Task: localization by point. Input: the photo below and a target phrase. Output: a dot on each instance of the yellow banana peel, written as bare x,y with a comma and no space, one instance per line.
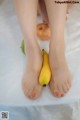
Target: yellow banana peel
45,74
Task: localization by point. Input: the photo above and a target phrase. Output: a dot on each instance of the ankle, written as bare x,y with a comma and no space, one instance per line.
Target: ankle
57,56
57,49
35,65
34,58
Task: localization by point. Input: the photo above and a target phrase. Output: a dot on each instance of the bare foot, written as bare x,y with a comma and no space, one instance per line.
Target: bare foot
31,87
61,78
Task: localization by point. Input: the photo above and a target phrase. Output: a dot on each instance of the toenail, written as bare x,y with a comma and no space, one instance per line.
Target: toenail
59,94
33,95
56,93
62,95
29,96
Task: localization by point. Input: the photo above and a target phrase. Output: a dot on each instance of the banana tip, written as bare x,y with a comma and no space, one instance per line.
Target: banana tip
42,49
44,85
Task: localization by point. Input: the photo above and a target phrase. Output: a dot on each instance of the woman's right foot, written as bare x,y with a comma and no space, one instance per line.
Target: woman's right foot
31,87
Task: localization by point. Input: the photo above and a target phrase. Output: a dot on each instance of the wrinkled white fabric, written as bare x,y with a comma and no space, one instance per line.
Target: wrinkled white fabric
12,63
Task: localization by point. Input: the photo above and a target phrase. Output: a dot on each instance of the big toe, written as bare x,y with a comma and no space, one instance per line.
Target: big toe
56,90
35,92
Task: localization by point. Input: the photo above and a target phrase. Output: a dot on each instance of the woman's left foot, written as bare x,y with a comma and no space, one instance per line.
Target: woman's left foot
61,78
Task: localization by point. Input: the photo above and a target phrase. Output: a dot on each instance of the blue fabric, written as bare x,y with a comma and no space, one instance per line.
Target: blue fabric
17,113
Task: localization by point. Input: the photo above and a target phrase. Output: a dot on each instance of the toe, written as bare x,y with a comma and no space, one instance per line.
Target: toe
31,95
65,88
54,89
61,91
24,87
35,93
68,86
69,82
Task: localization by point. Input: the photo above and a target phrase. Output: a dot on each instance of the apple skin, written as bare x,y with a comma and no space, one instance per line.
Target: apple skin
43,31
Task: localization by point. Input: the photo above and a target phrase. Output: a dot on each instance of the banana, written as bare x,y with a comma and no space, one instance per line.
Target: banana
45,74
22,47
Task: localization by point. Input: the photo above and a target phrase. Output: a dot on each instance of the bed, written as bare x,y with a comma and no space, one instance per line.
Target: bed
12,63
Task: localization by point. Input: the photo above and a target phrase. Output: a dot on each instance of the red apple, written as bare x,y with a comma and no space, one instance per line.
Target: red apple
43,31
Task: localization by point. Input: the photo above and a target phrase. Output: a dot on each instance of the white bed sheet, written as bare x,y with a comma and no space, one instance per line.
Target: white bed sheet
12,63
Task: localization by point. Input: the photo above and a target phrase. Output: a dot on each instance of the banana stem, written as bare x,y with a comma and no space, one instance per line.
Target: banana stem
45,57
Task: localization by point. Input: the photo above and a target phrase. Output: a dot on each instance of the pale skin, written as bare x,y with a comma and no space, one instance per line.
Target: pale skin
61,79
